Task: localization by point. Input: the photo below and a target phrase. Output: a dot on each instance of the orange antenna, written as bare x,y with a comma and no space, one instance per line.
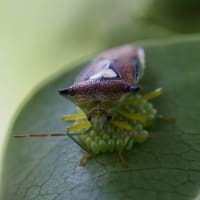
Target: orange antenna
39,135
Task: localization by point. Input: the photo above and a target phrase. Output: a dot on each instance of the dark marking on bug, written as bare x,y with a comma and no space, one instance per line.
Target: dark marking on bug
134,88
67,91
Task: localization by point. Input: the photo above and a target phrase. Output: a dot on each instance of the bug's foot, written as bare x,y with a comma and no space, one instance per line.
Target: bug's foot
84,160
123,159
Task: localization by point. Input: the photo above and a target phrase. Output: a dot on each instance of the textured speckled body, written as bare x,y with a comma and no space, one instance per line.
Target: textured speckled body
104,81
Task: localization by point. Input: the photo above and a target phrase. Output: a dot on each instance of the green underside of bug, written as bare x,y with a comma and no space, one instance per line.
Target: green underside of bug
129,125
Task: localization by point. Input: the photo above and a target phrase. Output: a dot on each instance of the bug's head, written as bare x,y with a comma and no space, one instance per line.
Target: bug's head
98,118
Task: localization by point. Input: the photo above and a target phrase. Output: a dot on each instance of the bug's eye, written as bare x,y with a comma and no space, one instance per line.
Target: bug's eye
109,117
89,118
138,69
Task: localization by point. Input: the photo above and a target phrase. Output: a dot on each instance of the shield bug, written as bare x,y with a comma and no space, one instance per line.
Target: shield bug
111,116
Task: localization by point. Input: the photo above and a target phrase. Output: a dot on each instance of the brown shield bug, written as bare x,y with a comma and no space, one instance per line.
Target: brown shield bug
111,115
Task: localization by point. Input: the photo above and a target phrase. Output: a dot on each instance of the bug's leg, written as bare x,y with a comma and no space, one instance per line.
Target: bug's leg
79,126
148,96
88,154
153,94
121,125
74,117
82,146
85,158
72,136
136,116
127,146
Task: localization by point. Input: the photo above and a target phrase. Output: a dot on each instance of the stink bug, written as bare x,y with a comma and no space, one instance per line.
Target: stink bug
111,114
109,77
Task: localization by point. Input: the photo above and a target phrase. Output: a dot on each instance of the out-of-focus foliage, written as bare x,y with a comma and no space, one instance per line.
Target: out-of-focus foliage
178,15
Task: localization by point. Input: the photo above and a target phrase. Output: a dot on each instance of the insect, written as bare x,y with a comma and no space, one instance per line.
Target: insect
111,114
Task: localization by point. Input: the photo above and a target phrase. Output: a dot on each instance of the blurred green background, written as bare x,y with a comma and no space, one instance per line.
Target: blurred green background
39,38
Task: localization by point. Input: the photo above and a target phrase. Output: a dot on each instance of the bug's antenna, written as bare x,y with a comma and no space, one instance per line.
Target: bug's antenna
40,135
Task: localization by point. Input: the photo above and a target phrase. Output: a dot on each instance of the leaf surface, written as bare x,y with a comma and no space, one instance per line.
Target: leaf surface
165,167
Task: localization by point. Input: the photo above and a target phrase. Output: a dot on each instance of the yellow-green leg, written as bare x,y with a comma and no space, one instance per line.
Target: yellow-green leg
74,117
88,154
83,126
136,116
121,125
85,158
148,96
80,126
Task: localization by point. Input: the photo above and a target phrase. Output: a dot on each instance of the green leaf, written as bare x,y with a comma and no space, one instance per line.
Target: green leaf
165,167
178,16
